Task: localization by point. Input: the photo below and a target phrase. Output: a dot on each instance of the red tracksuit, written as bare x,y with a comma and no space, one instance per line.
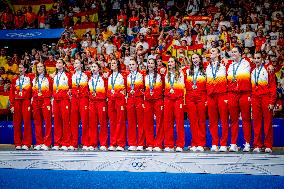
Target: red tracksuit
20,100
195,100
153,105
135,111
263,94
42,92
239,92
61,109
97,111
173,111
217,102
79,108
116,109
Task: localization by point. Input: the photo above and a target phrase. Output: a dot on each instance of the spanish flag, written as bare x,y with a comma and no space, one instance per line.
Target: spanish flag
35,4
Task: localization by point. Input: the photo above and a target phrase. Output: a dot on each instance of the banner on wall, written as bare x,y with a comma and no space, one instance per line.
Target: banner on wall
31,34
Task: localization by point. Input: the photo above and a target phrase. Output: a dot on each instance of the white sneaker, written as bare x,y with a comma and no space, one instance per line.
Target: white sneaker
118,148
256,150
85,148
64,148
168,149
37,147
149,149
91,148
214,148
103,148
18,147
233,148
200,149
157,149
223,149
55,148
179,149
268,150
132,148
193,148
140,148
44,147
72,148
111,148
25,147
247,147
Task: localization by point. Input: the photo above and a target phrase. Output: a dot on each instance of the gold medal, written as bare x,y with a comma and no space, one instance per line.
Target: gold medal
132,91
194,87
94,94
234,80
56,90
172,91
151,93
112,91
39,94
20,93
78,91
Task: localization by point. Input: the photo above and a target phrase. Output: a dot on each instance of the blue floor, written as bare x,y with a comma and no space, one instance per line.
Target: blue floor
15,178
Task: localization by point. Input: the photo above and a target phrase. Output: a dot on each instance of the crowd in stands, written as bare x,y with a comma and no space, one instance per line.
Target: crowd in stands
146,29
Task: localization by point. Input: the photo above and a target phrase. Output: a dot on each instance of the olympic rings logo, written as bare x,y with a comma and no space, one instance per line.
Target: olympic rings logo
139,165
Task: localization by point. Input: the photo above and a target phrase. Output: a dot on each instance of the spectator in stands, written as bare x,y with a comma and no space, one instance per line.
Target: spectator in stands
30,18
11,69
6,19
19,20
3,57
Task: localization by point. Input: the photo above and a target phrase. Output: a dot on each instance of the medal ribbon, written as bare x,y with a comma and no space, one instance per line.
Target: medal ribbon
113,81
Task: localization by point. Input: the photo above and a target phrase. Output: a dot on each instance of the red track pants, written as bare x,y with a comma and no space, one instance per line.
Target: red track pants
42,111
217,104
79,109
98,114
239,102
22,111
259,111
174,111
116,113
151,108
62,133
196,111
135,113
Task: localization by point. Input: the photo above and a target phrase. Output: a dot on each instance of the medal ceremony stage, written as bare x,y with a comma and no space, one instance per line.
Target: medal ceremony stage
100,169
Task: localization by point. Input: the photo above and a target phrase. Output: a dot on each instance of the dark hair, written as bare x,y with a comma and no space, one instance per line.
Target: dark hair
177,67
201,67
37,74
26,66
258,52
117,63
155,69
219,58
240,50
64,63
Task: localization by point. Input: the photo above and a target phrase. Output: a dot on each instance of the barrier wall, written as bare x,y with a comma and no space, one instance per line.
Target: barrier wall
6,133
